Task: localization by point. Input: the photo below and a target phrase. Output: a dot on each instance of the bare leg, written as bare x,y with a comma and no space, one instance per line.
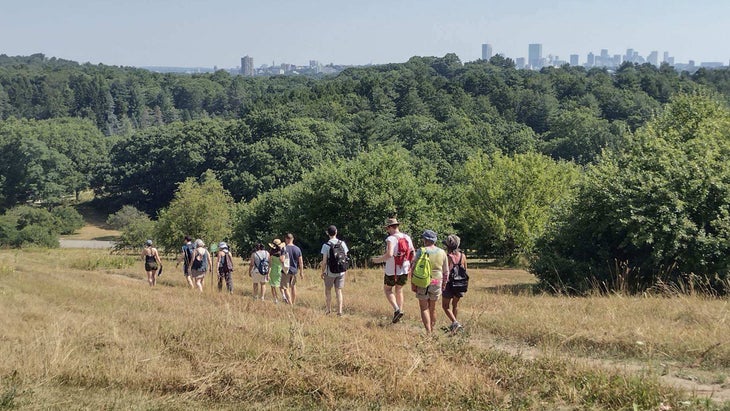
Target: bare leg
338,293
399,296
455,308
432,313
189,278
151,278
446,305
328,299
293,294
390,296
423,305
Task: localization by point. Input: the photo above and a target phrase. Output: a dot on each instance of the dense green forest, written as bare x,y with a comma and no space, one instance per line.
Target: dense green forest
501,156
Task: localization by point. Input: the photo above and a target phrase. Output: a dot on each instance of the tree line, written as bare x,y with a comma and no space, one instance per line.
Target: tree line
501,156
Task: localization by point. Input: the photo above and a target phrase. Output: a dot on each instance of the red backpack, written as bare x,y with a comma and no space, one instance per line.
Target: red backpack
403,251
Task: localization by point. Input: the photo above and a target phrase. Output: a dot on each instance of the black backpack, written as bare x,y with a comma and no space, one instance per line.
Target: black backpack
337,260
458,278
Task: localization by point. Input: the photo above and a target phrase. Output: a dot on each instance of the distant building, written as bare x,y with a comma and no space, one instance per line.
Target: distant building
534,56
590,60
574,60
711,64
247,66
486,51
520,62
653,58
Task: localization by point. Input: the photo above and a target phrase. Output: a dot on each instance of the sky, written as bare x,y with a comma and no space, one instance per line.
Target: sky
208,33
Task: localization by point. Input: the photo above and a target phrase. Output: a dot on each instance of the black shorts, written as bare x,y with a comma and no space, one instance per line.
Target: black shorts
151,266
449,293
391,280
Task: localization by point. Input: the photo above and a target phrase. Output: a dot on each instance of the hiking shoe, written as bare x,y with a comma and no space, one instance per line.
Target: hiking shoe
397,316
455,326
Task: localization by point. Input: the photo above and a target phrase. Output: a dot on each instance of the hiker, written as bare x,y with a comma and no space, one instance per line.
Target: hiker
224,262
334,268
279,265
397,258
296,266
201,264
451,294
186,257
428,295
151,262
259,267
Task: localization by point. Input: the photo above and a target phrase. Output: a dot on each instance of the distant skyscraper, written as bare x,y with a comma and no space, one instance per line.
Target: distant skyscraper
653,58
629,55
591,59
665,58
486,51
534,56
247,66
520,62
573,59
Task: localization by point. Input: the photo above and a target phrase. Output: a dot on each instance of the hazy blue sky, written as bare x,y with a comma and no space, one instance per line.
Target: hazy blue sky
219,32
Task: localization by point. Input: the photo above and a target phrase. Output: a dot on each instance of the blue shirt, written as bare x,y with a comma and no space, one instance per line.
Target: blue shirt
294,254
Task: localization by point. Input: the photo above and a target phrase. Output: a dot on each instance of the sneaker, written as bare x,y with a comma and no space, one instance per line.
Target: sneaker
276,301
397,316
455,326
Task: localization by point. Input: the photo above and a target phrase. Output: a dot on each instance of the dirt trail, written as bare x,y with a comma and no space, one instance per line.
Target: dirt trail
674,376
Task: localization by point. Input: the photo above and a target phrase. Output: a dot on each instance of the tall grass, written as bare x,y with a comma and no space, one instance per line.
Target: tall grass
103,339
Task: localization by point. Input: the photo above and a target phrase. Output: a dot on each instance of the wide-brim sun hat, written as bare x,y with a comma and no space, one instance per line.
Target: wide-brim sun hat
222,244
391,221
277,244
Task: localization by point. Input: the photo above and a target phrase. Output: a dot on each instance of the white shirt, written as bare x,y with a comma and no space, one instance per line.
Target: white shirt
326,252
392,242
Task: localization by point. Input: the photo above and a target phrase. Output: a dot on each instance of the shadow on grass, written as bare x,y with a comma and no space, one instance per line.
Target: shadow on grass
106,238
513,289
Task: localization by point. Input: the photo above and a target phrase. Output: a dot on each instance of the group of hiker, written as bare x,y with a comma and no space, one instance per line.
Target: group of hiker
434,273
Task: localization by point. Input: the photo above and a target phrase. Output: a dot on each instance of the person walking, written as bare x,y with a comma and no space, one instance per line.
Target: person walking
259,267
279,265
397,258
151,262
429,295
186,257
451,296
296,269
334,267
224,262
201,264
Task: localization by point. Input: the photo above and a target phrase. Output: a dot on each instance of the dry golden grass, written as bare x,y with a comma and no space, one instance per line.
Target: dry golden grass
82,330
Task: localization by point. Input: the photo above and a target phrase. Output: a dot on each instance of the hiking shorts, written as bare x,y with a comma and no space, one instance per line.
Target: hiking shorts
449,293
432,292
288,279
338,282
151,266
198,274
392,280
256,277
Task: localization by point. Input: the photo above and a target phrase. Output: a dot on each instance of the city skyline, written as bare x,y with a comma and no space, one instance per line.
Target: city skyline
219,33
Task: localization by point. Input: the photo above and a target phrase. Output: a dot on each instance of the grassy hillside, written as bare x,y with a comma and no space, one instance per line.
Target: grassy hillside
82,330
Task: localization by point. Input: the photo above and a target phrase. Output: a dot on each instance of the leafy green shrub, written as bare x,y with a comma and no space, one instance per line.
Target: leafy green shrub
507,201
27,225
658,209
125,216
68,220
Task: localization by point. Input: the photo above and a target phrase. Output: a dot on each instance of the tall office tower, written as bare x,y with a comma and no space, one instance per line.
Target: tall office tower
591,60
486,51
534,56
629,55
653,58
573,59
616,60
665,58
247,66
